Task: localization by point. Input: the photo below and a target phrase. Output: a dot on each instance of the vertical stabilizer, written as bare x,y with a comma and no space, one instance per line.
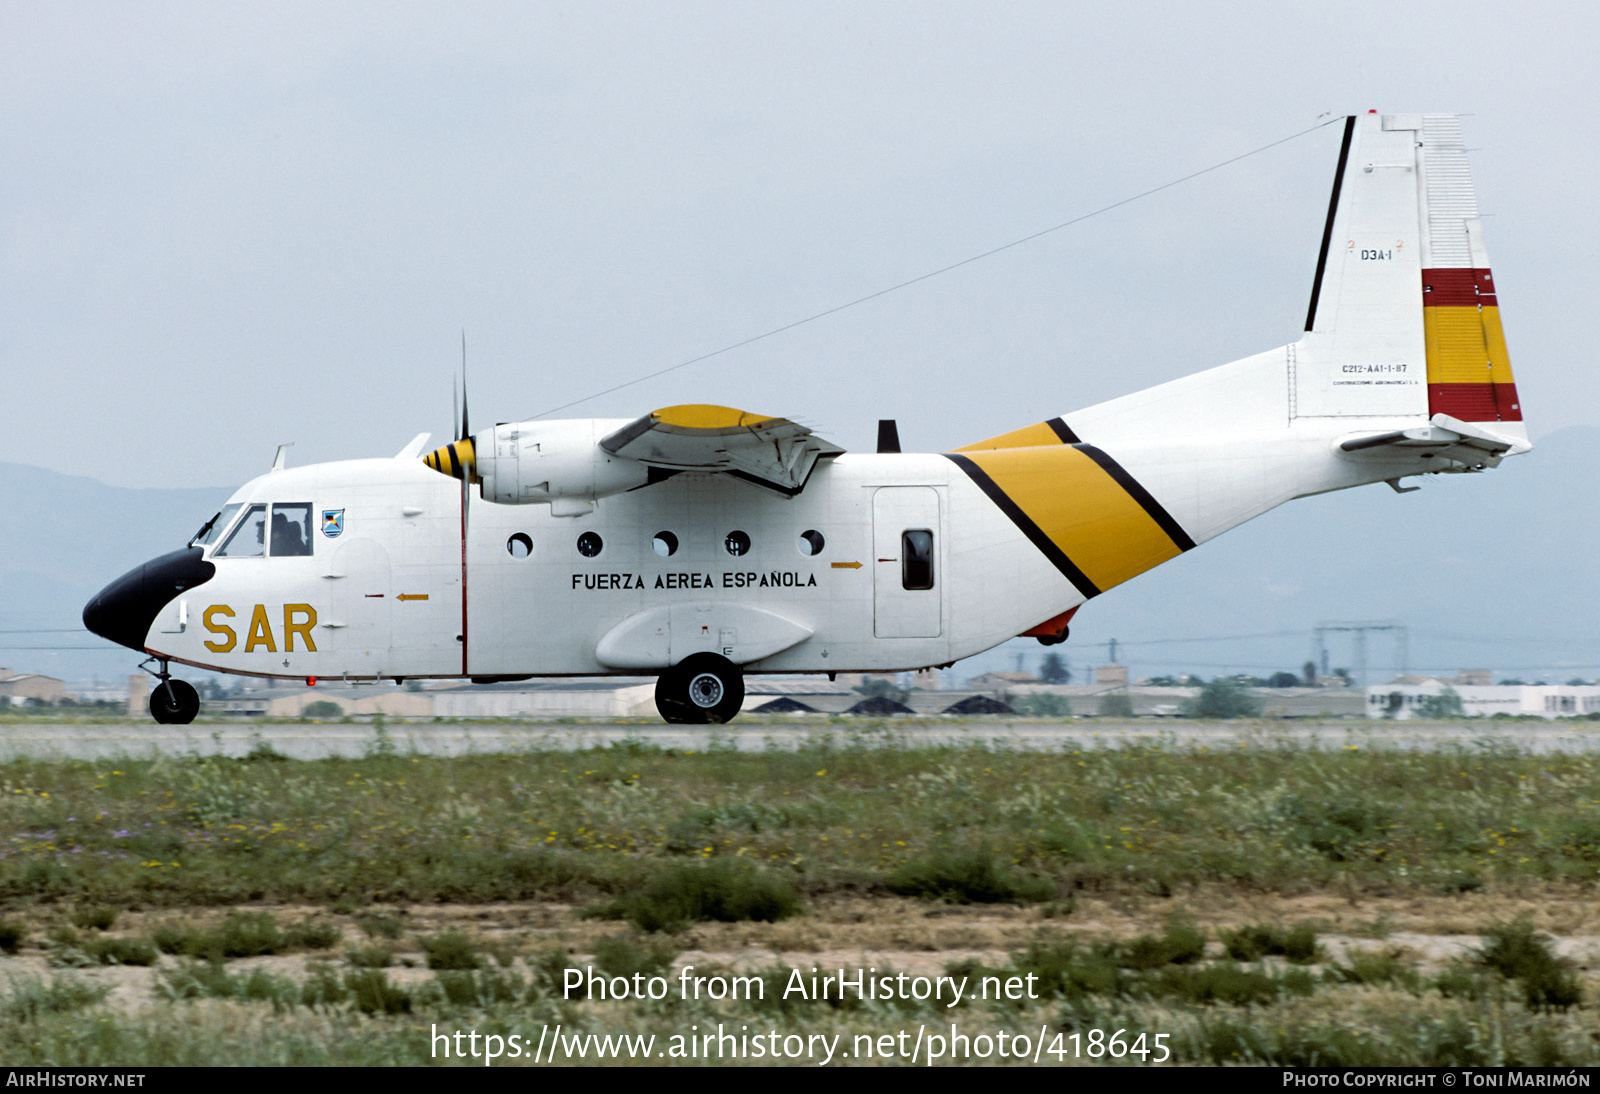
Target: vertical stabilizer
1403,319
1364,354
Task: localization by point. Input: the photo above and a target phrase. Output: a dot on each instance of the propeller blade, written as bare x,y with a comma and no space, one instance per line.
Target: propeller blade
466,429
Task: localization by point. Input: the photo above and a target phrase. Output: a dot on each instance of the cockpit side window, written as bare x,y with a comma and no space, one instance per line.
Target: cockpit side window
291,528
249,538
211,529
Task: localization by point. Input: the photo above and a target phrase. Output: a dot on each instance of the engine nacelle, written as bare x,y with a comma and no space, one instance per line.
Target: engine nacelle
521,463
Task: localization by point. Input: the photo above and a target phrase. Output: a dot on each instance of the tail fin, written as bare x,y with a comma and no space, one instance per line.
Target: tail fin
1403,280
1403,327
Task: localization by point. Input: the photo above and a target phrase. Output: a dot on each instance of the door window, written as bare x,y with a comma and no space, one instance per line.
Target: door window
916,559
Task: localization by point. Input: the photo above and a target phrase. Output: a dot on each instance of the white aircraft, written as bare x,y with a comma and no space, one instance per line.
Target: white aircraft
699,543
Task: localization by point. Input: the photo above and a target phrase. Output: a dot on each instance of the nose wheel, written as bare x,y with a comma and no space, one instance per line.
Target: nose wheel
173,702
702,688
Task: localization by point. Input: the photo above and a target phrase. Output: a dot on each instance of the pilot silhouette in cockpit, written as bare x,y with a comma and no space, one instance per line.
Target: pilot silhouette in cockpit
288,538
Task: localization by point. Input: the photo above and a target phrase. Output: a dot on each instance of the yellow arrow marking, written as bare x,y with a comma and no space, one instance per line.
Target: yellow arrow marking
845,565
412,596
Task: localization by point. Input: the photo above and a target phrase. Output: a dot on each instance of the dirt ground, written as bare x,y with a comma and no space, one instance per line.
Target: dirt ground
889,932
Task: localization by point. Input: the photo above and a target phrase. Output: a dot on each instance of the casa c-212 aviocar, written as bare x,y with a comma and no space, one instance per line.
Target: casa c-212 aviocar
700,543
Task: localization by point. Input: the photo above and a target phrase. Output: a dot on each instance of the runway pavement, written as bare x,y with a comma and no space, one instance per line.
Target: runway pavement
56,740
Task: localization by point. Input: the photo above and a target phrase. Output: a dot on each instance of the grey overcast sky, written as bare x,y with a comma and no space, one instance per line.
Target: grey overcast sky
225,226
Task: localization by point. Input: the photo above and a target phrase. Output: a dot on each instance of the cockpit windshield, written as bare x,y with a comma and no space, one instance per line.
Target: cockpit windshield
211,529
249,538
290,535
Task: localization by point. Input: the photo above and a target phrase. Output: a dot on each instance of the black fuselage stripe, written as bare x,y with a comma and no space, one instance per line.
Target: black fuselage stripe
1063,430
1046,545
1327,229
1138,493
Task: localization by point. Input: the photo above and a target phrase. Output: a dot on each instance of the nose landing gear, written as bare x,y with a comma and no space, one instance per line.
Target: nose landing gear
172,702
702,688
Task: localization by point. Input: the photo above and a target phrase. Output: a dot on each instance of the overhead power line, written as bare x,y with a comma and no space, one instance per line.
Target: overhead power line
990,253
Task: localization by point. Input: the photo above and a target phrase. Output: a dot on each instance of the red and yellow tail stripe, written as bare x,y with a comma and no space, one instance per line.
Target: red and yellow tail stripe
1080,508
1469,371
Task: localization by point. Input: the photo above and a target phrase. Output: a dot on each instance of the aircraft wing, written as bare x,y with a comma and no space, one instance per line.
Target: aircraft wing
771,452
1444,437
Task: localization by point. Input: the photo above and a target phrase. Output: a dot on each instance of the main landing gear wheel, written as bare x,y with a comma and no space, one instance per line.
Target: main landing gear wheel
174,703
1054,639
702,688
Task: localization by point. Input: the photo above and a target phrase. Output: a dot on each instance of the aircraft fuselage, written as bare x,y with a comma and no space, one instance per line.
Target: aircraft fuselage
388,591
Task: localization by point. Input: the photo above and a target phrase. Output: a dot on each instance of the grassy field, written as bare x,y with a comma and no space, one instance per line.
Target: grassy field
630,855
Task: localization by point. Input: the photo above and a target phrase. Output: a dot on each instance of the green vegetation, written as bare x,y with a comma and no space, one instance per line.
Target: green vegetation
1298,944
1374,1008
1042,705
1224,697
667,839
376,956
95,917
381,926
451,950
623,956
608,824
1447,704
721,890
32,1000
1116,704
121,951
1182,944
1517,952
965,877
243,934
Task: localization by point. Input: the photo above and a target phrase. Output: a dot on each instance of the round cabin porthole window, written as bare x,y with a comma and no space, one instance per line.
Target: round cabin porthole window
519,545
737,543
665,544
811,542
589,544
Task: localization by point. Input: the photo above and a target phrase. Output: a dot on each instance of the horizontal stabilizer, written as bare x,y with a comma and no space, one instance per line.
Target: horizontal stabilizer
1443,438
771,452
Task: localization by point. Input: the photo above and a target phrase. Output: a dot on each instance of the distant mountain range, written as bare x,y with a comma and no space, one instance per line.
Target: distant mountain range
63,539
1499,570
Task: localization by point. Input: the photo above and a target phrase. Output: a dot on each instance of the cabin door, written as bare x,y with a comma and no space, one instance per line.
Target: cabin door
360,579
907,564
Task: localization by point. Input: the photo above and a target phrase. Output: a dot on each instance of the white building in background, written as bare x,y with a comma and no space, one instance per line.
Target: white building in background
19,687
1406,700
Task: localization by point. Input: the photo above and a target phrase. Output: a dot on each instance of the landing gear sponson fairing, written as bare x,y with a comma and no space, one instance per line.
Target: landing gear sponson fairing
698,543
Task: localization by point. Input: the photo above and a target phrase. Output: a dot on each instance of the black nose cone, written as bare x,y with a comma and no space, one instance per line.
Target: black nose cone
124,609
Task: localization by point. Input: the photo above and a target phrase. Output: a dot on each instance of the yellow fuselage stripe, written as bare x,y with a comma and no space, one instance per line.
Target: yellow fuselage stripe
1027,437
1055,431
1090,517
